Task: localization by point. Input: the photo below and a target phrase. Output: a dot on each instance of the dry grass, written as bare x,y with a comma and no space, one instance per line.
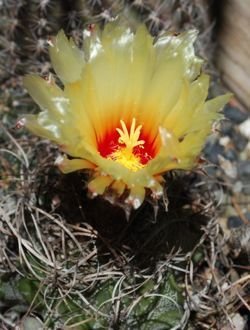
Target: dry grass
52,234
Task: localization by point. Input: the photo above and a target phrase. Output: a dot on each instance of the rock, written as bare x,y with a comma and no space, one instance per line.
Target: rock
239,322
228,167
239,140
244,169
31,323
211,170
212,150
224,141
245,128
234,222
237,187
226,127
230,154
235,115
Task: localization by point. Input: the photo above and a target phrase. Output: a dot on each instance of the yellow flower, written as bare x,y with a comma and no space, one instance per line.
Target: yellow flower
132,108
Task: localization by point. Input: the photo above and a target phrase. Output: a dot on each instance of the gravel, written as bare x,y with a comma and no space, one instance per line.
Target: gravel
235,115
244,169
240,142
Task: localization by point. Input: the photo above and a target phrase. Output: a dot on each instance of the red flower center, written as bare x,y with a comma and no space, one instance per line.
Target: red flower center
131,147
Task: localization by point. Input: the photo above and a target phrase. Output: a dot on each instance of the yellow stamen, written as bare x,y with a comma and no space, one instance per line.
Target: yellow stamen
125,155
130,139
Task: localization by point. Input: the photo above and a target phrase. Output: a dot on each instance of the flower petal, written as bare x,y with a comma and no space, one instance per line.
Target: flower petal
64,51
136,196
173,118
51,132
91,43
70,165
80,109
100,184
217,103
156,187
118,186
164,93
48,96
197,93
168,45
168,157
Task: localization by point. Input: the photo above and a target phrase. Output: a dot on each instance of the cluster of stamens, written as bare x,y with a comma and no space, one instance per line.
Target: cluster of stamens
128,140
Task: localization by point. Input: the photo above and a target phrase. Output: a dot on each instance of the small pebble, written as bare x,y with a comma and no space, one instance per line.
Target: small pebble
224,141
239,141
226,127
239,322
230,154
235,115
234,222
237,187
211,170
245,128
228,167
244,169
212,150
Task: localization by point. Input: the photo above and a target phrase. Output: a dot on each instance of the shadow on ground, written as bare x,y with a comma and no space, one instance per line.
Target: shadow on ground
148,235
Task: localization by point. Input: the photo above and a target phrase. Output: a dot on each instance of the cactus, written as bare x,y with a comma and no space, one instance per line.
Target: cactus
48,265
112,303
27,25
